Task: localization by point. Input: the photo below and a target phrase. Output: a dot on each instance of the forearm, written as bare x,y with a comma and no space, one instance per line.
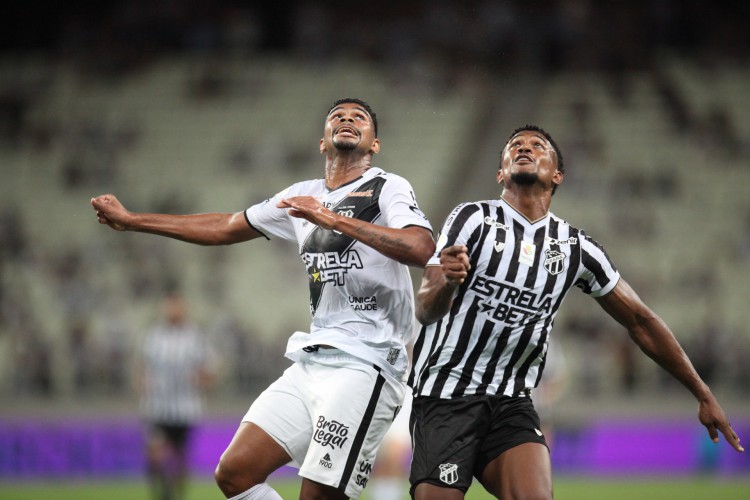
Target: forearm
658,342
200,229
435,296
412,246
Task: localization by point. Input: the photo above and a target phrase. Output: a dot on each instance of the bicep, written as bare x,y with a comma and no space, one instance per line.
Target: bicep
624,305
238,229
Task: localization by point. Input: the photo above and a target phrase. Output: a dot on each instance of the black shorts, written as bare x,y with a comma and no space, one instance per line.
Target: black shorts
176,435
455,439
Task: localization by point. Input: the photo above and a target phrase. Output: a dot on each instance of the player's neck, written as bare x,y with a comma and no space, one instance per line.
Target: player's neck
341,170
528,202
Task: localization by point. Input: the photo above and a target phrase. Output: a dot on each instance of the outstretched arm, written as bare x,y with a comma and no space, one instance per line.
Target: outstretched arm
655,339
439,283
201,229
411,245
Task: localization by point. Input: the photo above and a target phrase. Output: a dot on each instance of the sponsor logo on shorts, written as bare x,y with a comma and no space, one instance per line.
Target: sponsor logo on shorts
448,473
326,461
330,433
363,475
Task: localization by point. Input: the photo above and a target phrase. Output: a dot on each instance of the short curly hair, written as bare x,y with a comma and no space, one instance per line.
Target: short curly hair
362,103
540,130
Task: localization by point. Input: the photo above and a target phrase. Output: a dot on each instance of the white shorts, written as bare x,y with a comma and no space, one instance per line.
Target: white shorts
330,412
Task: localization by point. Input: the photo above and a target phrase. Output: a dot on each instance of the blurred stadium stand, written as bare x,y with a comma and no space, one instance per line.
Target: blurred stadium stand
221,106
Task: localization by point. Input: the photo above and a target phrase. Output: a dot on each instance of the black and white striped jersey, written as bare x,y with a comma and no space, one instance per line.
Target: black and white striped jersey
172,357
494,338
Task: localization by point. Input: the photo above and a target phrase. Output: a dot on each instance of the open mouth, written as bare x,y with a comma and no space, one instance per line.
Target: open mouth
524,159
346,130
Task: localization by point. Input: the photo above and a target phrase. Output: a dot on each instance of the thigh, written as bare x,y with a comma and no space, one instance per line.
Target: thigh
353,405
252,455
515,457
447,435
282,411
522,471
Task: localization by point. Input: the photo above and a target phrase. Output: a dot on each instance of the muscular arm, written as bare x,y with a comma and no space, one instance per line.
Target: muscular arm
412,245
657,341
439,283
201,229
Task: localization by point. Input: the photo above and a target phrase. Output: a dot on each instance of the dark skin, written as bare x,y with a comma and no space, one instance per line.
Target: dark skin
525,471
348,143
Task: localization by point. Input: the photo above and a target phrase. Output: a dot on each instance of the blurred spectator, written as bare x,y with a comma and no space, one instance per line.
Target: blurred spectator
175,367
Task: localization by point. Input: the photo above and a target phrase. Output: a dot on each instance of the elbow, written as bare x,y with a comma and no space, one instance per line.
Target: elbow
423,318
423,253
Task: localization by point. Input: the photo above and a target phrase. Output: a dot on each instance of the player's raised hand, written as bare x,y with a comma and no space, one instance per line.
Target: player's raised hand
310,209
454,261
110,211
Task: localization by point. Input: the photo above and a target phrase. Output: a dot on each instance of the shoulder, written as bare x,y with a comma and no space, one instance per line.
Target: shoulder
464,211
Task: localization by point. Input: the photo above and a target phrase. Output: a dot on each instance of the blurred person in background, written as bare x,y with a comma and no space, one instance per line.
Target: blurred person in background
174,368
357,230
488,300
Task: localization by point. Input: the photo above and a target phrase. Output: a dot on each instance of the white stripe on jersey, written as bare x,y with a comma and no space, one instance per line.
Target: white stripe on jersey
172,357
494,338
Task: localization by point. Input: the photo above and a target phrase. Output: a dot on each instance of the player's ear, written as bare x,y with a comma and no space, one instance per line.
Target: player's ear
375,147
322,146
557,177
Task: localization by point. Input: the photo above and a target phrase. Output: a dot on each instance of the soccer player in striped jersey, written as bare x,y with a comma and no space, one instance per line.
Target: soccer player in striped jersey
357,230
175,366
487,303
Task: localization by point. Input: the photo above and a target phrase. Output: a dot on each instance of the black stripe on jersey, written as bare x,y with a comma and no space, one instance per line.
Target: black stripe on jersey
519,383
489,373
501,235
533,270
514,261
459,350
523,342
458,223
599,275
473,357
321,241
417,350
364,426
474,251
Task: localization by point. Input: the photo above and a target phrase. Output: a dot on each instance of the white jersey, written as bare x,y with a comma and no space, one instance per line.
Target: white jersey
361,301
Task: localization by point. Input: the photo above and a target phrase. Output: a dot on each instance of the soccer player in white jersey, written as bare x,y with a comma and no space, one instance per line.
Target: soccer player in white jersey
487,302
357,230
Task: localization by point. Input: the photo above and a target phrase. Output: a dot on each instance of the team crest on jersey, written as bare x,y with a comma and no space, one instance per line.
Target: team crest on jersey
554,261
448,473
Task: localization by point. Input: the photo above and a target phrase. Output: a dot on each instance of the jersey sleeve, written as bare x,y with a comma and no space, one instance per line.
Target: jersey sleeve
457,229
270,220
399,205
599,276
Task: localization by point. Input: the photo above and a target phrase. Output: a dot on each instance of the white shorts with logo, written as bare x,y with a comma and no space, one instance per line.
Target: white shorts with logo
330,412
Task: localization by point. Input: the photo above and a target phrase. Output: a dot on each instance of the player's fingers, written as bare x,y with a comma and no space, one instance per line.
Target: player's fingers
454,251
732,437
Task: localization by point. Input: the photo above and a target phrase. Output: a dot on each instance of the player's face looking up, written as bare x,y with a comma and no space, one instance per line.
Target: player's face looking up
349,127
528,159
